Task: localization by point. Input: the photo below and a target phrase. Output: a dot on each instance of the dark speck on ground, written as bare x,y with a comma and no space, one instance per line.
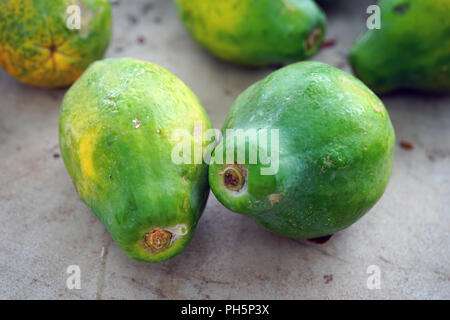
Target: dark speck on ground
132,19
147,7
328,43
406,145
141,40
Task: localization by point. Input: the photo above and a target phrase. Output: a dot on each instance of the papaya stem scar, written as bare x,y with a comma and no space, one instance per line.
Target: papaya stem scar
233,178
160,239
157,239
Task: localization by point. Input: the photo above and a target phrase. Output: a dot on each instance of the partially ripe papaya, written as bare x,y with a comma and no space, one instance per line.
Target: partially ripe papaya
255,32
116,134
50,43
305,152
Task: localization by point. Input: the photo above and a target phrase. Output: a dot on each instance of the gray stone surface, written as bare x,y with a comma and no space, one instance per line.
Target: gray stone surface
45,227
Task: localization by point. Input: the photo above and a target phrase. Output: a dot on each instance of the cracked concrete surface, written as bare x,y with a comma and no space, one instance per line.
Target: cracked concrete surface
45,227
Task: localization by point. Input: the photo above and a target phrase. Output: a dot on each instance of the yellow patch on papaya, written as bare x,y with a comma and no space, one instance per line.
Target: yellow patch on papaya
360,91
288,6
225,18
6,52
224,15
86,153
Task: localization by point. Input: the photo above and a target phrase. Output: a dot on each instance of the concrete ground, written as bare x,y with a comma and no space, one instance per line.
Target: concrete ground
45,227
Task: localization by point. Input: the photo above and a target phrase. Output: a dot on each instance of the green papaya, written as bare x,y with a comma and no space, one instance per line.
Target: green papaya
116,135
50,43
255,32
321,156
411,50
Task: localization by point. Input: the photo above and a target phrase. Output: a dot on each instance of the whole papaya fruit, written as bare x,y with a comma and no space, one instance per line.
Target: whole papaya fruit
116,135
50,43
309,150
411,50
255,32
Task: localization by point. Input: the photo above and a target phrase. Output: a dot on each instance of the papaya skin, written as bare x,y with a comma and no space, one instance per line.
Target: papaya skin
255,32
336,145
36,46
115,135
410,51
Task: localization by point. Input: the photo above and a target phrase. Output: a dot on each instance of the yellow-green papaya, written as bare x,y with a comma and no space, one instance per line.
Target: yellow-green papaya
255,32
116,135
50,43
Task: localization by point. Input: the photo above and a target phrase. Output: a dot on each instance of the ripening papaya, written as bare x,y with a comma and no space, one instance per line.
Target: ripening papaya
255,32
117,135
411,50
50,43
305,152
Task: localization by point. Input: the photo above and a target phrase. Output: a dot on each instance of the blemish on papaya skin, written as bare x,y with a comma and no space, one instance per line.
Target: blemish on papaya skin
137,123
370,97
402,8
288,6
377,107
313,38
274,199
